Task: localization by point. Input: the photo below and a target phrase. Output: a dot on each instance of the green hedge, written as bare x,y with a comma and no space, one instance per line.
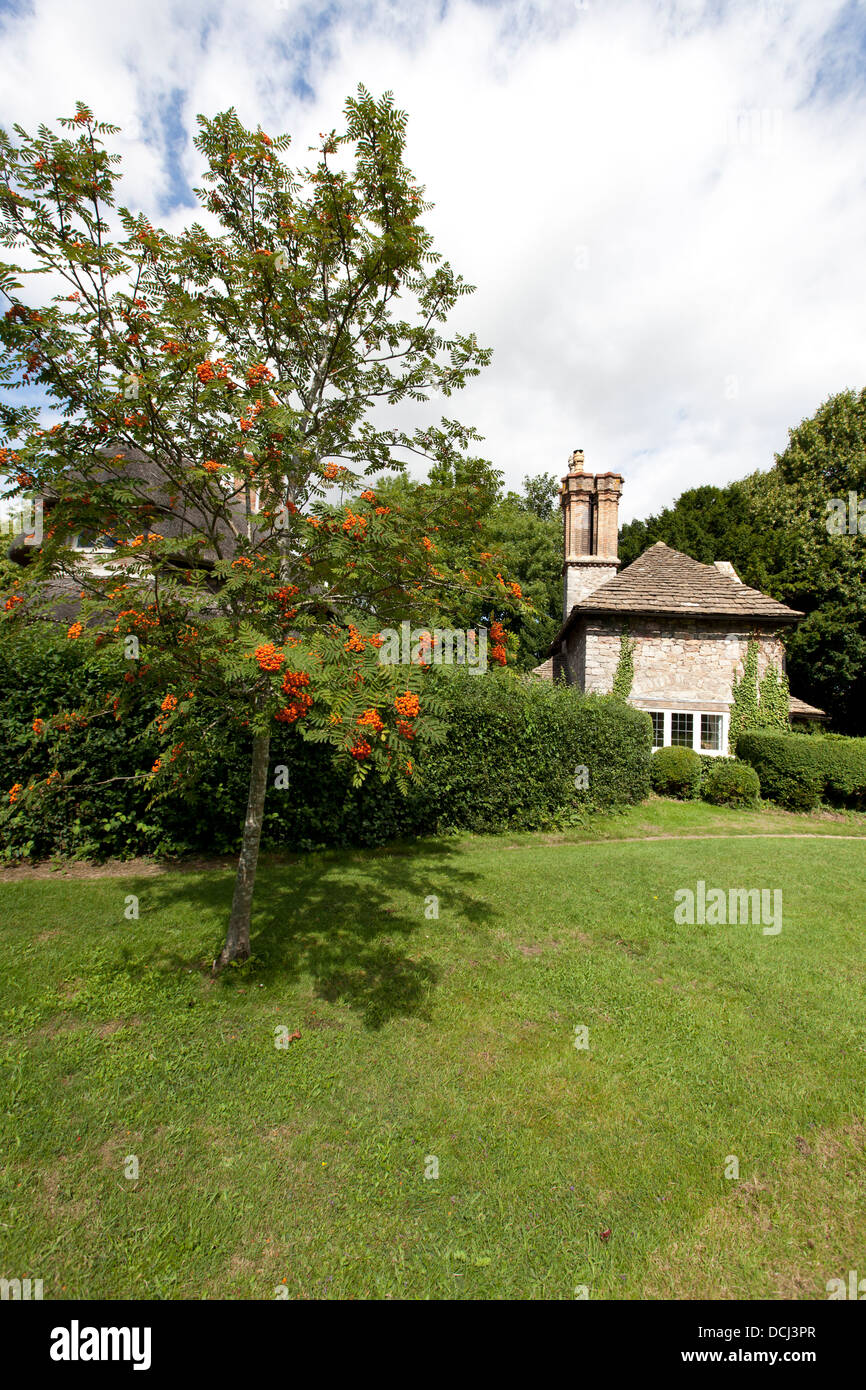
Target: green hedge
676,772
711,760
731,783
515,749
511,758
799,770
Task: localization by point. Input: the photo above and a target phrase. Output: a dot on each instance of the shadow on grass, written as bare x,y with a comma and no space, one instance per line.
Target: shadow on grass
346,919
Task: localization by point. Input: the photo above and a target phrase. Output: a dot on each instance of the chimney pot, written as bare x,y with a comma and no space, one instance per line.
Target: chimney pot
590,507
608,487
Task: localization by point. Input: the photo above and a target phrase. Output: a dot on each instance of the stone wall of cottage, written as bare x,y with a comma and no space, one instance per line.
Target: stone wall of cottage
581,580
688,662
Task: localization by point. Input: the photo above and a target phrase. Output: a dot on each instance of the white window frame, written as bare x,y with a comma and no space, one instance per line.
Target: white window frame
720,752
723,737
665,727
91,549
686,714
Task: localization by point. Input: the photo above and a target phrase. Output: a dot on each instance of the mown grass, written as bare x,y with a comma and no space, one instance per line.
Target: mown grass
304,1168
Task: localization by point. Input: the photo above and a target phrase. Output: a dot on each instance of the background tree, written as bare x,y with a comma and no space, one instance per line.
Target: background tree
530,548
540,496
197,375
773,527
521,533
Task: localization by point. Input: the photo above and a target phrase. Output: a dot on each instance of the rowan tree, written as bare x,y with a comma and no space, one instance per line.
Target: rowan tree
215,400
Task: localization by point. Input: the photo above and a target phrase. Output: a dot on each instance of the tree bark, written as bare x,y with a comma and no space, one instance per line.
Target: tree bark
237,943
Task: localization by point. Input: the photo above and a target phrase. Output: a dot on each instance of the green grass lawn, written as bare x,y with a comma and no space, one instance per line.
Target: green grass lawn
304,1167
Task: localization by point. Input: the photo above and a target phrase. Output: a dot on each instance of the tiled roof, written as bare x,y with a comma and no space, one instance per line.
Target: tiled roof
798,709
665,581
545,670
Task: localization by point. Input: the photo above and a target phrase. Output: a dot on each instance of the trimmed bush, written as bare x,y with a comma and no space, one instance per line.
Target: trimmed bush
676,772
787,771
731,783
512,757
799,770
515,747
711,760
843,761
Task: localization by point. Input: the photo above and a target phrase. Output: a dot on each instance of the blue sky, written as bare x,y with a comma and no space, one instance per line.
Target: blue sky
661,204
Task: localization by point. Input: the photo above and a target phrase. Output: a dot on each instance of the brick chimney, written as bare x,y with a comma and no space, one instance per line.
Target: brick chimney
590,506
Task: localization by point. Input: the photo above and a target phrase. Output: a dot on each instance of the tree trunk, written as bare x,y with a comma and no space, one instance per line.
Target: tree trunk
237,943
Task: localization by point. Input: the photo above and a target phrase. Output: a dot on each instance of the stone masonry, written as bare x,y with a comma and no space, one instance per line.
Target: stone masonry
591,524
691,623
677,664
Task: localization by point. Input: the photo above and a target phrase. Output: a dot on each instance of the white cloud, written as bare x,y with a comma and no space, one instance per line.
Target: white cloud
665,230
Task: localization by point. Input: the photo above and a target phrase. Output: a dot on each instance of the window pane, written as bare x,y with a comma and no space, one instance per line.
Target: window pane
658,719
711,732
682,730
91,540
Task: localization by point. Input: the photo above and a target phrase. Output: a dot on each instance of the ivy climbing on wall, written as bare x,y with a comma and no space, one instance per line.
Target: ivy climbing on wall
774,699
624,675
757,705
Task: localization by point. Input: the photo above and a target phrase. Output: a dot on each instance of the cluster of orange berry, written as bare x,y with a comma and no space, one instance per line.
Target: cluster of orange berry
212,371
372,720
300,703
408,705
283,597
355,525
268,657
65,723
140,621
499,637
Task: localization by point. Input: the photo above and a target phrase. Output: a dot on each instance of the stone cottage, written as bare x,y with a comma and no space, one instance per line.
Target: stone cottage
690,623
94,552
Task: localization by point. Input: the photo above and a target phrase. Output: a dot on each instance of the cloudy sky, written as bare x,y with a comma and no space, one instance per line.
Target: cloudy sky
661,202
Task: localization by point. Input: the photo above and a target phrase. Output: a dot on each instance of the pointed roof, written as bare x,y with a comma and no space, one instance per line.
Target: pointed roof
664,581
798,709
